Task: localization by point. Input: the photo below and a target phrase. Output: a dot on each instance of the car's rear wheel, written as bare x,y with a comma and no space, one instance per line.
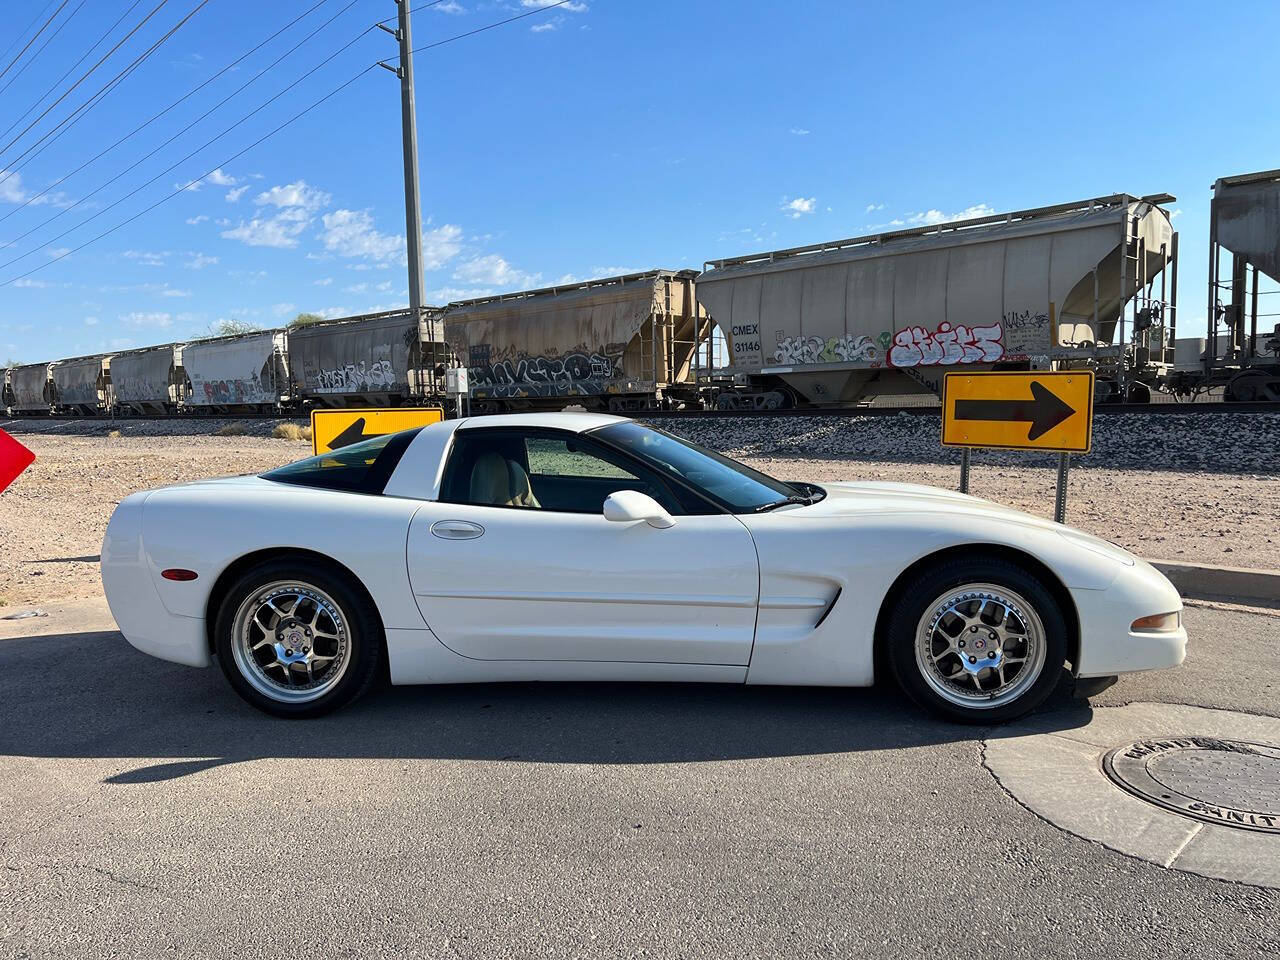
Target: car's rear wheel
978,640
297,639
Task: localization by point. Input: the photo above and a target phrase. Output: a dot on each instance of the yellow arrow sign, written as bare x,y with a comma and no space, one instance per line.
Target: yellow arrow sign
335,429
1022,411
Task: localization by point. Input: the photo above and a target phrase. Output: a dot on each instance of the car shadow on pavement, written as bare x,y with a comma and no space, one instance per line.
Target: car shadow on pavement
91,695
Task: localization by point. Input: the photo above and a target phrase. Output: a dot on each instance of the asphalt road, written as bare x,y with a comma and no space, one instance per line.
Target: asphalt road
145,811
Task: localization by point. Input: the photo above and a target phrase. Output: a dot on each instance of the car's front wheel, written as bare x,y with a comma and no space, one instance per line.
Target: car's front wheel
297,639
979,640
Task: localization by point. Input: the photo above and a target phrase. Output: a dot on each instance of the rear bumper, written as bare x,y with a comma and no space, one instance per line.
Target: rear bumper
135,604
1107,644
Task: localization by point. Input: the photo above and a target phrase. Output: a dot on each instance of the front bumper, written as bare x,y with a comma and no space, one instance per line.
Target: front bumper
1107,644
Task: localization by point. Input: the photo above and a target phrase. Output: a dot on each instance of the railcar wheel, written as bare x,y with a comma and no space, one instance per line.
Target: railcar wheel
977,641
296,640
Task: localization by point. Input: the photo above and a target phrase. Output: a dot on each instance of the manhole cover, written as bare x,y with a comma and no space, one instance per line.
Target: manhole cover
1230,782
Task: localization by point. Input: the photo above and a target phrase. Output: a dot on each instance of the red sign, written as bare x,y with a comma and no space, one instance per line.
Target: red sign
14,458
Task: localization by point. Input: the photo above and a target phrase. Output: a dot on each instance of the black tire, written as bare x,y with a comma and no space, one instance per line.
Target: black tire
917,600
363,633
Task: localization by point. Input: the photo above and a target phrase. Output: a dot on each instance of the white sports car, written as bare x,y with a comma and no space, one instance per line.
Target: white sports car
585,547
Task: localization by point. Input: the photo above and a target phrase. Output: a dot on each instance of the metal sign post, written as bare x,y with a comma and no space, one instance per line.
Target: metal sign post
1020,411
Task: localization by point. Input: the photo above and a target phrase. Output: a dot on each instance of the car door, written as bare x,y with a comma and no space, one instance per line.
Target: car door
552,579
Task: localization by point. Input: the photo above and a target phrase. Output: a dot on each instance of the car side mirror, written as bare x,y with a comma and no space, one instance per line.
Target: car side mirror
628,506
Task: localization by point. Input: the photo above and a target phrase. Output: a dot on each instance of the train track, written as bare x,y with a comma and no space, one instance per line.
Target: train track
1107,409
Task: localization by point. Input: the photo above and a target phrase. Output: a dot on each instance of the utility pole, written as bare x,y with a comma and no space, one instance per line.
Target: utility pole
409,130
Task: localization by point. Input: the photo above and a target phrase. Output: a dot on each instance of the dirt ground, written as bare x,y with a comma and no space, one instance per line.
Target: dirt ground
53,517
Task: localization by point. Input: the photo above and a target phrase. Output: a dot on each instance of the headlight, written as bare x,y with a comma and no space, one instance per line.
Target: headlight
1157,623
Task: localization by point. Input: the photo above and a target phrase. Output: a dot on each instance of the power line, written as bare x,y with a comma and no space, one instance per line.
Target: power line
36,56
43,27
198,149
146,123
102,186
84,56
90,71
297,116
18,37
500,23
71,118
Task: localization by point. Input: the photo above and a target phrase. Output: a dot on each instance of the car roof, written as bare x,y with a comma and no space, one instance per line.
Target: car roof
577,422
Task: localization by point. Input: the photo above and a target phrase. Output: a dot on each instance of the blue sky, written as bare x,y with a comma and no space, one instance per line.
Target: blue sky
600,137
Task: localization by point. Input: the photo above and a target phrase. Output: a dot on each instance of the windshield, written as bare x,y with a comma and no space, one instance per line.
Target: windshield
732,484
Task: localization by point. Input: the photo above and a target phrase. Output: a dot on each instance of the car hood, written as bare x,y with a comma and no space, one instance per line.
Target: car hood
872,498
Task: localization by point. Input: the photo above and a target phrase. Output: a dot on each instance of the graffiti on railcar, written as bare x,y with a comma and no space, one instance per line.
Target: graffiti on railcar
362,377
580,373
946,345
847,348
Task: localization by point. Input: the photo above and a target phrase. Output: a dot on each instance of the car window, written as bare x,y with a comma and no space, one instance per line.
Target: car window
361,467
551,456
543,470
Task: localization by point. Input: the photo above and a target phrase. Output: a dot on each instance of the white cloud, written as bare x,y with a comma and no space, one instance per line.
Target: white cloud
200,261
449,6
930,218
147,258
799,132
450,294
545,26
351,233
136,319
296,194
28,282
58,251
493,271
120,343
356,288
798,207
1176,213
233,196
90,321
280,230
873,207
11,190
281,309
326,281
197,220
174,292
220,179
571,6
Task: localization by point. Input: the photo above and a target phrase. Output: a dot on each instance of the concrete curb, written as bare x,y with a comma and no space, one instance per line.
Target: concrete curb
1207,580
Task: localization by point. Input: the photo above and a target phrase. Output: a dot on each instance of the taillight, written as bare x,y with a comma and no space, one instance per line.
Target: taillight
176,573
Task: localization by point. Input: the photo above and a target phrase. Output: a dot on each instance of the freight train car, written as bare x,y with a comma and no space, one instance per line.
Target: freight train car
236,374
147,381
622,343
29,389
80,385
1243,346
385,359
832,324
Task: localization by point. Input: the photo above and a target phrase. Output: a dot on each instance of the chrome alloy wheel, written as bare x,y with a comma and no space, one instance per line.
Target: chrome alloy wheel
291,642
980,646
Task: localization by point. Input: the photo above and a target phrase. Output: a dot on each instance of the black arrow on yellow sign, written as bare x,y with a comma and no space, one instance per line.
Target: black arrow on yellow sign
1044,410
353,434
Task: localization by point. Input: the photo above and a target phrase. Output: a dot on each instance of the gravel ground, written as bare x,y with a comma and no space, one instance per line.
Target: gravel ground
1201,487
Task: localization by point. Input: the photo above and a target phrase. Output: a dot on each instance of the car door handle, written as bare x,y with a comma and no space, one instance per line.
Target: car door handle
456,529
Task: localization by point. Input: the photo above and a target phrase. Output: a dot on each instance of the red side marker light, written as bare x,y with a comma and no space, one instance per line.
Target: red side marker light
176,573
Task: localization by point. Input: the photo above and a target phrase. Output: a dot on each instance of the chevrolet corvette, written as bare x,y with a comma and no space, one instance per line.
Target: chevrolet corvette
588,547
